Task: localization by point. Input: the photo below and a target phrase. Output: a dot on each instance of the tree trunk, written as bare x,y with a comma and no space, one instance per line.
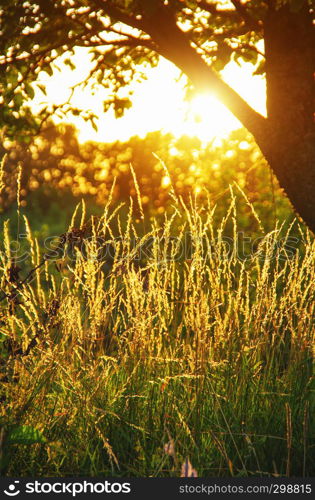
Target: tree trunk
294,166
289,145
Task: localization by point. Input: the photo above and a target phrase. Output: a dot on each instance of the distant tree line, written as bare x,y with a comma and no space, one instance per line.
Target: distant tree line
55,167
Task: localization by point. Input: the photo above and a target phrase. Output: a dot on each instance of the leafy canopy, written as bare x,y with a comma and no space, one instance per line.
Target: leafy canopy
121,35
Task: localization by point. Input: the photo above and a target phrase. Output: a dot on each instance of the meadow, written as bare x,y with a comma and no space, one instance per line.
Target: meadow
130,343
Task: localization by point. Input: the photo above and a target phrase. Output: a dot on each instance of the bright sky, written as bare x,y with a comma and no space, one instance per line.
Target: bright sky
158,102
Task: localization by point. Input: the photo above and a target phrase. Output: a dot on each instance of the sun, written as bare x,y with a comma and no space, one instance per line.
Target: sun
210,119
158,103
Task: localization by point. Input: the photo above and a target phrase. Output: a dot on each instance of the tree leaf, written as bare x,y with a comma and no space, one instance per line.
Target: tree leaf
69,63
260,68
29,90
42,88
48,70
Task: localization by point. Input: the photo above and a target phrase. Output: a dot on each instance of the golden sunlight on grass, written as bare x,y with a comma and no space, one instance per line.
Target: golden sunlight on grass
110,355
202,116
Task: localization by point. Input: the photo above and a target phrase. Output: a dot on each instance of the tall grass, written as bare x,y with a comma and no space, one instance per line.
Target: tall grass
122,337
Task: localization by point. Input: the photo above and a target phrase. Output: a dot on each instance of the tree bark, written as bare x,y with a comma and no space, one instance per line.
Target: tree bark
290,143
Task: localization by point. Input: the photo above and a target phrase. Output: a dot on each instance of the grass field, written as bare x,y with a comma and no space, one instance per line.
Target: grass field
126,348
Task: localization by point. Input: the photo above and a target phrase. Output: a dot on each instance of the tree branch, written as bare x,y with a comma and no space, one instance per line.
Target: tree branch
112,11
174,45
117,43
249,20
250,46
235,14
213,9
